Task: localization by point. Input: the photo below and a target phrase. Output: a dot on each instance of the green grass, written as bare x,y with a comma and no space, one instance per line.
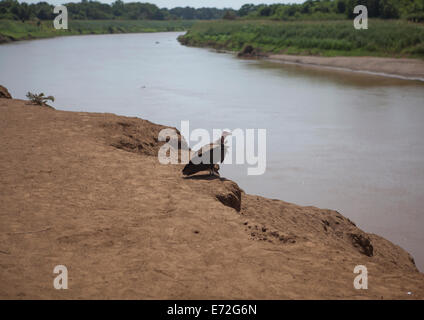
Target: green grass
388,38
17,30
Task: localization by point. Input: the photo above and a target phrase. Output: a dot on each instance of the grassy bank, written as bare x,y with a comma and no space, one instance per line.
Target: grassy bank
11,30
388,38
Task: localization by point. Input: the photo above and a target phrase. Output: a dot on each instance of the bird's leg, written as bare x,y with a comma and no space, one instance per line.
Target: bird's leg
215,170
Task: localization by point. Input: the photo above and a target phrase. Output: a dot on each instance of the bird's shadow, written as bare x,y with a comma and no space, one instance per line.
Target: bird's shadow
205,177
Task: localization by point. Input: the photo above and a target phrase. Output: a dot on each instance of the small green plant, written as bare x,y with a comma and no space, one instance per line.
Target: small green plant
39,99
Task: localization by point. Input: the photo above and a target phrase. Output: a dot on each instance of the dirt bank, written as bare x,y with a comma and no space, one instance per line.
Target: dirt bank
85,190
404,68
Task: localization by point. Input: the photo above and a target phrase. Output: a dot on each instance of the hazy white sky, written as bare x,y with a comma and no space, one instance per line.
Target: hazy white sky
236,4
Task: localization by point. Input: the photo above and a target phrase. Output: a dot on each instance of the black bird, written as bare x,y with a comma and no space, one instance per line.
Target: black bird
208,157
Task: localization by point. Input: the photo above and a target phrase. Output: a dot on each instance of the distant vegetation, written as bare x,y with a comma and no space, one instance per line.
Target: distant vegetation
19,21
329,38
94,10
317,27
335,9
310,9
18,30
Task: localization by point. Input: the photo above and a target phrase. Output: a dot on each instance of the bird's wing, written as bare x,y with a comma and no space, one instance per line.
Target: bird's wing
203,149
203,155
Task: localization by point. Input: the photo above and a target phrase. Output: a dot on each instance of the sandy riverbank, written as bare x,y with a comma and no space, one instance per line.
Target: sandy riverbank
402,68
85,190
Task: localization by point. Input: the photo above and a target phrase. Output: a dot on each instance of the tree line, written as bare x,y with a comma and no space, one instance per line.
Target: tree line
310,9
321,9
94,10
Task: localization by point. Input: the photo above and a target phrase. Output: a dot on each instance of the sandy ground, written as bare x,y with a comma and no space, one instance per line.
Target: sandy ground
408,68
86,191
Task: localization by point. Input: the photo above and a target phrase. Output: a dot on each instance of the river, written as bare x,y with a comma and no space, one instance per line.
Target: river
345,141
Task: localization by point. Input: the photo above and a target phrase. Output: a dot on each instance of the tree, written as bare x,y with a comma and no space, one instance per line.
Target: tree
246,9
388,10
341,6
265,11
229,15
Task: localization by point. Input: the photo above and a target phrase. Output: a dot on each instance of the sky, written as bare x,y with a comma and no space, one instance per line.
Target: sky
235,4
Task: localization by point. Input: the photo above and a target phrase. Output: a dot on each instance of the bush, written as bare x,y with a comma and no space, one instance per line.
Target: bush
39,99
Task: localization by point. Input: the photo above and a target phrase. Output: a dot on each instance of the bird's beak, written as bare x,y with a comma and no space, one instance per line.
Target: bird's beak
224,135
